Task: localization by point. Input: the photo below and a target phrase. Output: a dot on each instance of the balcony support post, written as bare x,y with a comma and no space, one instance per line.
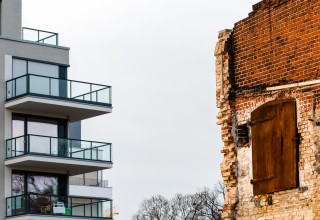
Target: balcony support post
91,150
28,84
90,93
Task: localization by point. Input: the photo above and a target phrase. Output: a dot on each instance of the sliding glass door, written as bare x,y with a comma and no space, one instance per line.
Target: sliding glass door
39,135
38,190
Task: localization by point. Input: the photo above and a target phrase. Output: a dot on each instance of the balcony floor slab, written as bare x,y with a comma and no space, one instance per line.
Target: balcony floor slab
50,217
55,164
90,191
72,110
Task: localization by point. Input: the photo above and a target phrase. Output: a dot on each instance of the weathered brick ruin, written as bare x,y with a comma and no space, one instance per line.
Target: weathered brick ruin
268,93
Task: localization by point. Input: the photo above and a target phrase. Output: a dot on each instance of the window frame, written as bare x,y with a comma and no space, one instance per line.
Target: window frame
62,124
60,178
62,68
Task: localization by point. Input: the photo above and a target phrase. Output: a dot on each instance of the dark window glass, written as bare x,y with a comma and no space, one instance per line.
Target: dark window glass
44,185
75,130
18,184
24,182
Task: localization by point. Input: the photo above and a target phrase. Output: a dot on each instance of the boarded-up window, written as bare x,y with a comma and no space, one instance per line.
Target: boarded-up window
274,147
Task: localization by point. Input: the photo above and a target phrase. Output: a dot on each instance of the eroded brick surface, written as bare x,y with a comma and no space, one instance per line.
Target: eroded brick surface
277,44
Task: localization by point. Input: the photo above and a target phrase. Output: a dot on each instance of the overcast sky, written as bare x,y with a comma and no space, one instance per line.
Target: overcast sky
158,57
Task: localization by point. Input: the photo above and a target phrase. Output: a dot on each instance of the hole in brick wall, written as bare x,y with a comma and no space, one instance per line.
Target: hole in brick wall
243,135
270,202
302,189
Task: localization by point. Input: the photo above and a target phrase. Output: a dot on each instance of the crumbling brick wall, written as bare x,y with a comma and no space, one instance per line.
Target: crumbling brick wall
264,58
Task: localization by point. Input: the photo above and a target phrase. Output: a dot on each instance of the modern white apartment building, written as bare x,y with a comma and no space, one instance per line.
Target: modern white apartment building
46,170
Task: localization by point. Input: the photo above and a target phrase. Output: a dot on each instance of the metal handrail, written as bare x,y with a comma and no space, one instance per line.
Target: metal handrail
88,93
62,147
88,182
38,31
33,203
33,29
72,139
64,90
30,74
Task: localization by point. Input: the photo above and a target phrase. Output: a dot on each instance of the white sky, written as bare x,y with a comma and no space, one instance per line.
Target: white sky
158,57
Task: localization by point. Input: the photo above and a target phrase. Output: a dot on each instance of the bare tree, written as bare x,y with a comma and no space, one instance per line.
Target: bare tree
204,205
211,202
155,208
186,206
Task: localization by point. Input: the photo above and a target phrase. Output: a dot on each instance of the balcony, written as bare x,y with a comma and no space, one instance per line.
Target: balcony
63,98
40,36
58,206
75,156
89,188
88,182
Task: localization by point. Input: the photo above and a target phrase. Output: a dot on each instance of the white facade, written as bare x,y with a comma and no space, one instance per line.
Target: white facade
90,191
38,104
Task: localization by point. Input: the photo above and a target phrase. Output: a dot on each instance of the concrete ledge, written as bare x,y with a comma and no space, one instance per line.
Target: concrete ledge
73,166
32,42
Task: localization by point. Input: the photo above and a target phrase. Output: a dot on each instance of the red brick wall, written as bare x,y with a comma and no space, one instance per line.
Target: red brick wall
277,44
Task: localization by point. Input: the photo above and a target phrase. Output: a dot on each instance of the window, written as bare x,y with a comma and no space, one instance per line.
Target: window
24,182
88,179
44,185
39,135
38,78
33,191
274,147
22,67
28,124
19,68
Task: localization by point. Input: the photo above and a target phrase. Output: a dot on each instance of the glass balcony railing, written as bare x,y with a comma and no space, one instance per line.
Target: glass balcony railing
58,88
40,36
87,182
58,147
58,205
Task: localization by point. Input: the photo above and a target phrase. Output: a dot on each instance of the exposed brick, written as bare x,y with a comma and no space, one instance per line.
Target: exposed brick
277,44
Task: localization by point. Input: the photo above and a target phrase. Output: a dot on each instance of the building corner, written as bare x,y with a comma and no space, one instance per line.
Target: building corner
225,103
